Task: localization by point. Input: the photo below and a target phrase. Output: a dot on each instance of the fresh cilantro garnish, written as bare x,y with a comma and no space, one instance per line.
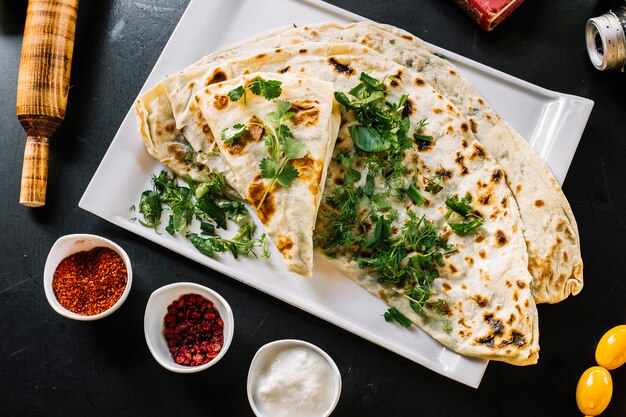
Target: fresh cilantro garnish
283,147
342,219
393,314
420,243
207,202
230,134
236,93
418,135
464,209
382,125
177,198
242,244
151,209
368,139
268,89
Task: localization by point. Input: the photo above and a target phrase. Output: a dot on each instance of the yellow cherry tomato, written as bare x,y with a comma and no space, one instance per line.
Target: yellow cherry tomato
594,391
611,350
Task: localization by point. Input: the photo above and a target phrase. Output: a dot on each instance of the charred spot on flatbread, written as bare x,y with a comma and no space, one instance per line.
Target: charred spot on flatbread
253,134
480,300
284,70
409,108
473,126
256,191
419,82
501,238
445,174
484,199
479,151
217,77
424,145
309,171
497,175
220,102
496,330
307,112
284,243
341,68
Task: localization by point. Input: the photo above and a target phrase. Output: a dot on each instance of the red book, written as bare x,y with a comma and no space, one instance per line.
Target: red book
488,13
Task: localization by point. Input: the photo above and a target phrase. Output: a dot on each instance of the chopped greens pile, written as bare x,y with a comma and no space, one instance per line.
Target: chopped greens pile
359,215
281,145
206,202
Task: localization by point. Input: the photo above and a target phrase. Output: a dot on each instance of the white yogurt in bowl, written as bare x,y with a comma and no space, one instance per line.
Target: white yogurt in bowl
293,377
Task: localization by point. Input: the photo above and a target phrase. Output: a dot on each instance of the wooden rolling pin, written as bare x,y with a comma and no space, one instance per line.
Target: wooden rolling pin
42,87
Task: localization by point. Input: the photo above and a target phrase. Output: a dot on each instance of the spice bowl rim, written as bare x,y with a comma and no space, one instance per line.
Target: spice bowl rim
156,308
60,251
277,346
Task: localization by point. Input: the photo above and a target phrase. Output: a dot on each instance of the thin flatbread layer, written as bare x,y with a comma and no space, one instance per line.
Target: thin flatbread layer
486,283
189,152
288,213
550,228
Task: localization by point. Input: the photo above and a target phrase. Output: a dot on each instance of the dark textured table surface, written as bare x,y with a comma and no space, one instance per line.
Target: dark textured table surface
53,366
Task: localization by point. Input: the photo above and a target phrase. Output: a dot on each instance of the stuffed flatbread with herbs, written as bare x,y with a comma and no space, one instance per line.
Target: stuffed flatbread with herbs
276,133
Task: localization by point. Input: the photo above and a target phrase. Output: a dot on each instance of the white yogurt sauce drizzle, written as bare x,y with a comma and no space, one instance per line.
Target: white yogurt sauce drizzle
298,382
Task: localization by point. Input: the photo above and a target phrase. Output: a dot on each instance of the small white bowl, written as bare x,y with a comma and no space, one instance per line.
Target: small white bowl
153,323
68,245
266,355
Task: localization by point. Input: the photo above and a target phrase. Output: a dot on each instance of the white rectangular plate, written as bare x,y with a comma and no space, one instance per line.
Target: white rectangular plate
553,123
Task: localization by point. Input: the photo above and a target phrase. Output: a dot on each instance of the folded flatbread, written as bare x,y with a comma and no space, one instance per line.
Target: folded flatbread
486,283
288,213
550,229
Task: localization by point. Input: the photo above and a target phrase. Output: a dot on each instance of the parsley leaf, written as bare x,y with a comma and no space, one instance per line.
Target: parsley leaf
237,93
229,135
282,147
208,203
292,148
382,126
367,139
151,209
287,176
269,167
269,89
242,244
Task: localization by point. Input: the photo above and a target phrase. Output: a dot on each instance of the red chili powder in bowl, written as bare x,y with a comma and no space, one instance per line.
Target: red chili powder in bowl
90,282
194,330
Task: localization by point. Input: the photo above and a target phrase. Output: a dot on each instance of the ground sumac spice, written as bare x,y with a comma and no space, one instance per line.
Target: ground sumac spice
194,331
90,282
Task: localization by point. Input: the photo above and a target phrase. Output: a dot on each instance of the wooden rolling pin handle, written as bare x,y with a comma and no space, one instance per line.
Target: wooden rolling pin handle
34,172
42,87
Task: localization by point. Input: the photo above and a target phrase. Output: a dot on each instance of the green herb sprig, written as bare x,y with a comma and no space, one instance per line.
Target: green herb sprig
208,203
281,144
242,244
